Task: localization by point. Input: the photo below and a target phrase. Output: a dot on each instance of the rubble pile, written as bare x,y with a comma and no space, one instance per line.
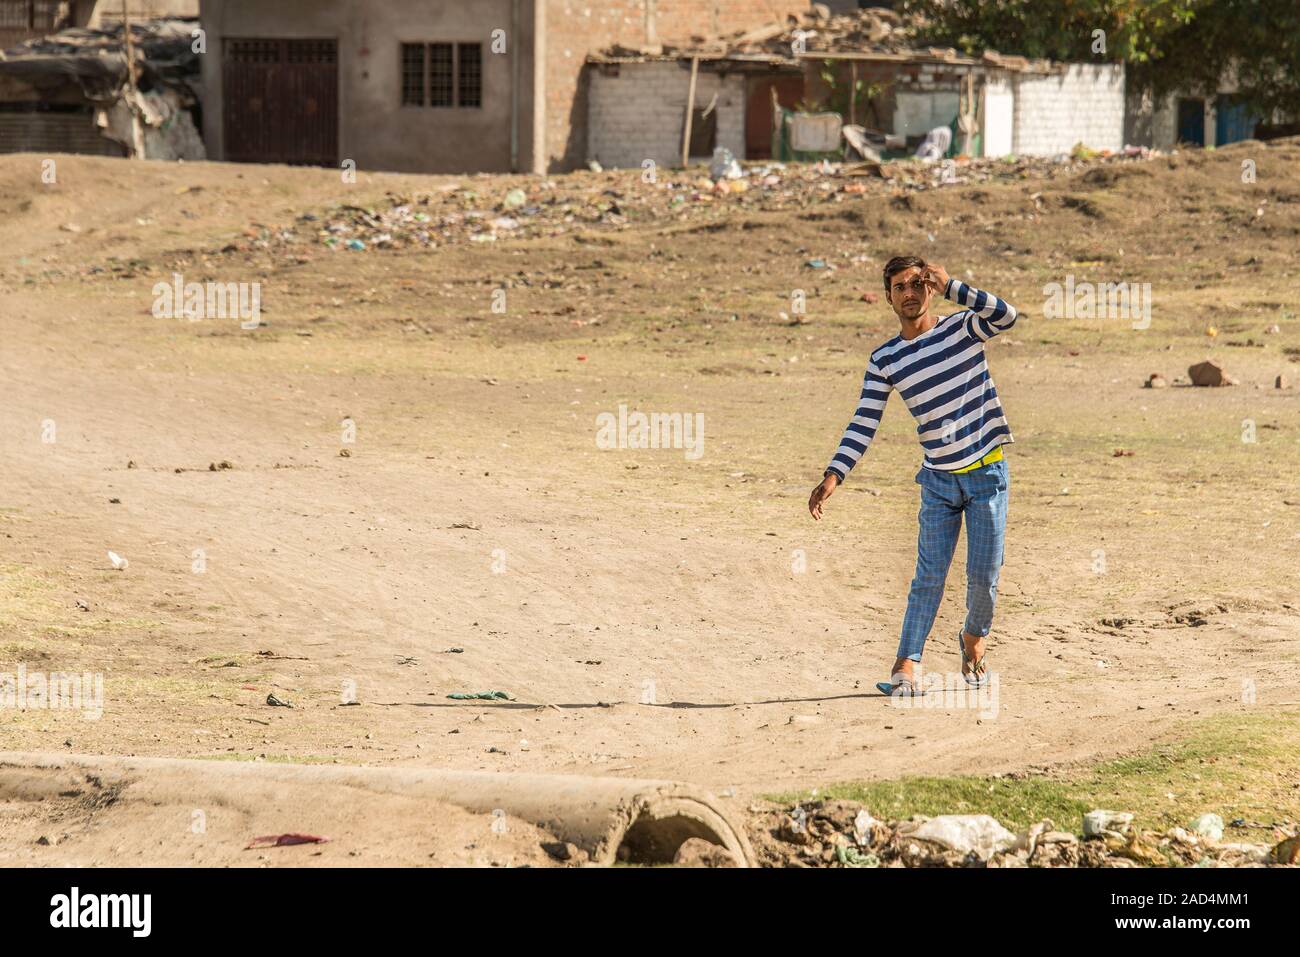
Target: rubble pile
491,208
818,31
839,833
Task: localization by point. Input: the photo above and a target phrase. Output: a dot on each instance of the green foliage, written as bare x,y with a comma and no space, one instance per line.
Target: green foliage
839,89
1167,45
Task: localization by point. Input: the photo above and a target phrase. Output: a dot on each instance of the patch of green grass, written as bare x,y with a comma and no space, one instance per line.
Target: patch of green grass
1237,766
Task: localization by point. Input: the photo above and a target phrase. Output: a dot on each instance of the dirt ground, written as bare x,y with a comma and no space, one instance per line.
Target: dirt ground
685,616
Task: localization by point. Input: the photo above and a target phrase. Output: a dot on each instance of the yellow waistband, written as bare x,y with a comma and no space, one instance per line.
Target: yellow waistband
994,456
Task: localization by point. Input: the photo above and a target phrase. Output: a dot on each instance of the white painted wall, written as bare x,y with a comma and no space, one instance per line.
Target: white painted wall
1084,103
999,118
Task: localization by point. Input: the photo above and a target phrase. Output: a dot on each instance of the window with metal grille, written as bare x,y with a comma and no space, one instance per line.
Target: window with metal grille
253,51
469,74
15,13
442,74
45,14
413,73
311,51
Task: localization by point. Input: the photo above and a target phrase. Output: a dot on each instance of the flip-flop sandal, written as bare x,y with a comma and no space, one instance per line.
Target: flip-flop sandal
978,672
905,688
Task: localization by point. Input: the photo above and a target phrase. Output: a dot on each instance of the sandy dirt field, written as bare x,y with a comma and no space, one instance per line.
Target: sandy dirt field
684,616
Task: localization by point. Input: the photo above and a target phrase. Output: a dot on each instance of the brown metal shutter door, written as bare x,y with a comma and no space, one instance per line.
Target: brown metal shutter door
281,101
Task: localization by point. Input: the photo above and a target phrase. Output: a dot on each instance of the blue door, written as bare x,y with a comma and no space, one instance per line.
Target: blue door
1191,122
1232,121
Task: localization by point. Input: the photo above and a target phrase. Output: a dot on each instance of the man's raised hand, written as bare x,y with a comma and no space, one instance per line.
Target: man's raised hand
936,277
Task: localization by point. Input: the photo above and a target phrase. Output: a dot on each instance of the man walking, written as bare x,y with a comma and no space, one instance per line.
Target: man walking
938,367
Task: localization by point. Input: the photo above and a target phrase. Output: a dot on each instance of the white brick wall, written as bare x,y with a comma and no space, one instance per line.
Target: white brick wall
1083,104
639,114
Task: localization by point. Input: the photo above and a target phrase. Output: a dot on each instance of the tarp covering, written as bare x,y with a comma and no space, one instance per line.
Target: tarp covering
95,59
153,120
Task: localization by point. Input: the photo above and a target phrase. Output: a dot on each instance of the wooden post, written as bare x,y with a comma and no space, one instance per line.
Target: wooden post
776,125
853,92
690,113
137,131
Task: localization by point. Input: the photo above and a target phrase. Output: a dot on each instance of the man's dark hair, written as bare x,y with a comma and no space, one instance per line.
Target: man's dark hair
898,264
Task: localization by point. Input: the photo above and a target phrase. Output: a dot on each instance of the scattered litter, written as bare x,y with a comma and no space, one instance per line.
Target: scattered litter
275,702
1156,381
481,695
724,165
852,857
454,651
977,834
1096,823
118,561
1208,825
614,200
1287,851
841,833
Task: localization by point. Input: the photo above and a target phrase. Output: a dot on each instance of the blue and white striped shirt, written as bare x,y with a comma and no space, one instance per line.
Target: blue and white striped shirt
944,379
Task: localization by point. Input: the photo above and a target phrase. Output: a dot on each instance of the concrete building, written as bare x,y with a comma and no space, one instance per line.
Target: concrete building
1191,118
420,86
110,11
637,104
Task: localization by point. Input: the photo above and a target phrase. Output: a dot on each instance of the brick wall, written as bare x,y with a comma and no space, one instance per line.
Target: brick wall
575,28
639,114
1083,104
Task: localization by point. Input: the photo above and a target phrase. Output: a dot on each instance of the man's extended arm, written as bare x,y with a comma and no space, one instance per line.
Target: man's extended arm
988,315
857,436
862,427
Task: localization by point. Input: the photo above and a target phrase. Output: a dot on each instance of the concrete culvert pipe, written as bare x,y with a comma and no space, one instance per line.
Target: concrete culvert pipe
611,819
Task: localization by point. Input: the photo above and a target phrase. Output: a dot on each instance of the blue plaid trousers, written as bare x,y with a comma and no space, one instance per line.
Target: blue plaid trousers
980,496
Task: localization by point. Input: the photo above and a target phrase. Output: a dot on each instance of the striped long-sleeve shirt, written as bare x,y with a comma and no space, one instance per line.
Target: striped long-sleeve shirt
944,380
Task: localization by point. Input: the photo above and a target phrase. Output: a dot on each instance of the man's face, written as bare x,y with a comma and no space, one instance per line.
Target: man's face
908,293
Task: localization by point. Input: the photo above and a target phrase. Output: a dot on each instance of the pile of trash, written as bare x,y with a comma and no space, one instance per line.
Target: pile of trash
489,208
838,833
